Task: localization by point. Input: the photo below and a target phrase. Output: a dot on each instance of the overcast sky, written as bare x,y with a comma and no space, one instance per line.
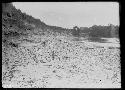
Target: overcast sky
69,14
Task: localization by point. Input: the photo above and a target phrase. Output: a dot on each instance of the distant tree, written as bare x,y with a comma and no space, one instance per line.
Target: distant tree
76,31
117,31
100,31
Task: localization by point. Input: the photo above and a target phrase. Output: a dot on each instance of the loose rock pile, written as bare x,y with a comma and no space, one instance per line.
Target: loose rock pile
56,62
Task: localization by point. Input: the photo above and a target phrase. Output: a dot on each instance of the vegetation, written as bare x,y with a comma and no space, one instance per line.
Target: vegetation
76,31
95,33
102,31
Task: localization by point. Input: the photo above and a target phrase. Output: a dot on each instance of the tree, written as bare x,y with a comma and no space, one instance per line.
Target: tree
76,31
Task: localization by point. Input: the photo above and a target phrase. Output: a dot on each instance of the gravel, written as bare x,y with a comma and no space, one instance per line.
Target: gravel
59,62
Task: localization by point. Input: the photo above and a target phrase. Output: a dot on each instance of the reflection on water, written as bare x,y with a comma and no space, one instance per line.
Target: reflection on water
97,39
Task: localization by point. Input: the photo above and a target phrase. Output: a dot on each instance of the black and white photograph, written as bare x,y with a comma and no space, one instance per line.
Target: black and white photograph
61,45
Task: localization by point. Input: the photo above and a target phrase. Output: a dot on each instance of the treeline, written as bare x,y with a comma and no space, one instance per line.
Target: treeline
97,31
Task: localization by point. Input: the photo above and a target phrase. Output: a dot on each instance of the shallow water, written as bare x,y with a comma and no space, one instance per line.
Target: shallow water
98,40
108,42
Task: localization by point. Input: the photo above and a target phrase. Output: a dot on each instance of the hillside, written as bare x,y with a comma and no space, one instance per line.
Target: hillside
17,26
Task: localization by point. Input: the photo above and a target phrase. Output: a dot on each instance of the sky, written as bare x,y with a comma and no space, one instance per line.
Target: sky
70,14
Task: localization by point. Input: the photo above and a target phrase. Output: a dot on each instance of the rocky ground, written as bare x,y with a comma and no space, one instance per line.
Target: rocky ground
60,63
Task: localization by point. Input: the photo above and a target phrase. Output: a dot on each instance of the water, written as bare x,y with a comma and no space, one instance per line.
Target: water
110,42
96,39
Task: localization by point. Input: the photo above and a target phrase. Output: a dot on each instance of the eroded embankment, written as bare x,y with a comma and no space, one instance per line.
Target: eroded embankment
56,62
